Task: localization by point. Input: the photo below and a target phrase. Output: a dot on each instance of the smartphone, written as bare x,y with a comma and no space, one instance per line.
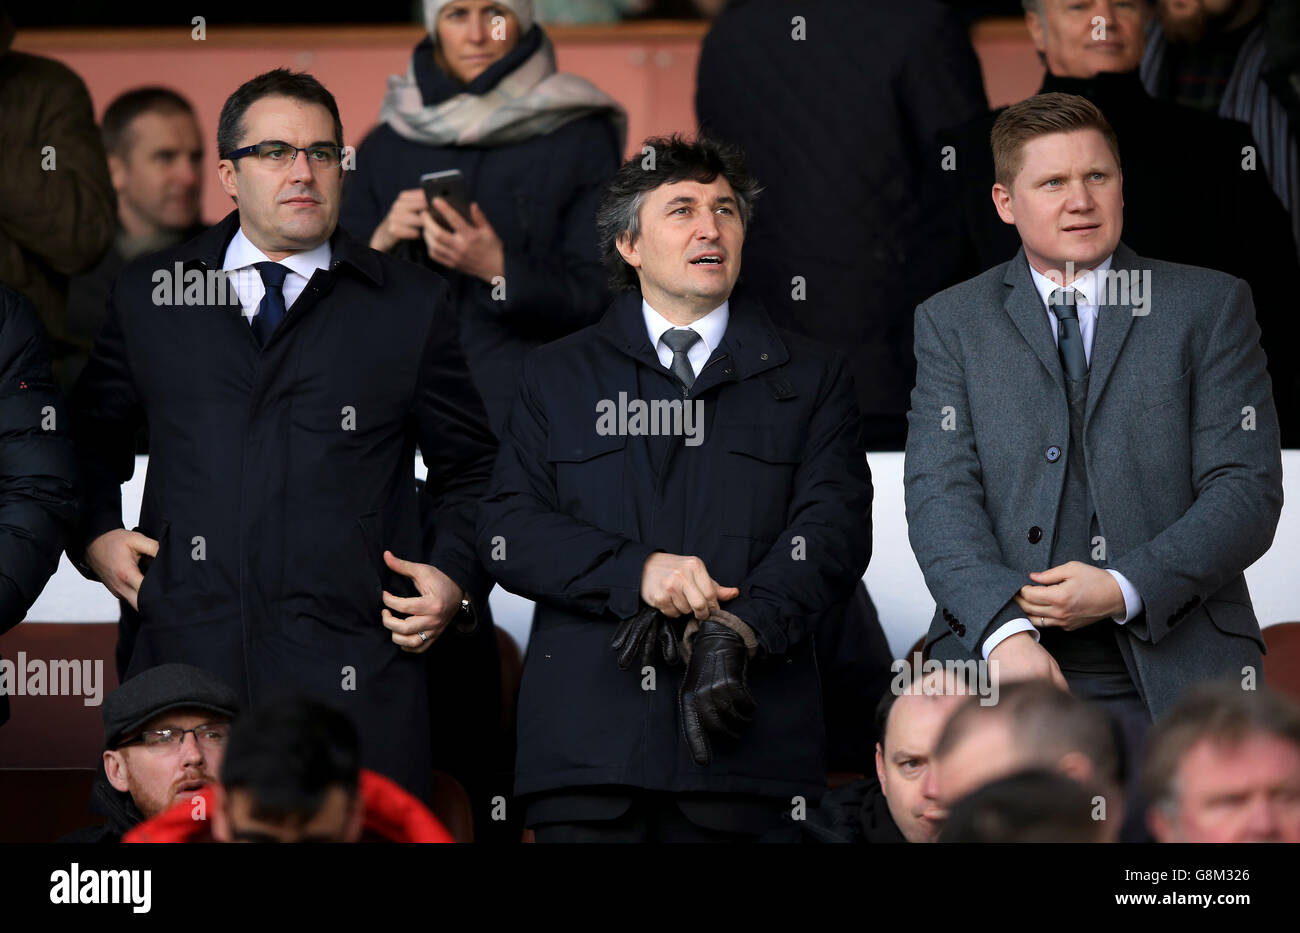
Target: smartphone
450,186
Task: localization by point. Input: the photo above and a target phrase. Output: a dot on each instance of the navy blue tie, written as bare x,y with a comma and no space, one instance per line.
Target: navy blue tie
271,310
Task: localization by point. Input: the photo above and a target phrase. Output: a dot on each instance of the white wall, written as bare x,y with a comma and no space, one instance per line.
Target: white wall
893,579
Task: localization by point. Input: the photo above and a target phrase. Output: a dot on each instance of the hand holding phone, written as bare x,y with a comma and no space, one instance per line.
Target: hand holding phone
450,186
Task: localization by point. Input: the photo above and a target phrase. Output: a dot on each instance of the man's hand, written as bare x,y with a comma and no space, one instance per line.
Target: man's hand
472,246
115,558
681,586
1020,657
429,612
714,697
643,636
404,221
1072,595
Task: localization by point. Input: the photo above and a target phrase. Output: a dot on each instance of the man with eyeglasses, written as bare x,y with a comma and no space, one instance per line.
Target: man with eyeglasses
165,734
287,374
292,773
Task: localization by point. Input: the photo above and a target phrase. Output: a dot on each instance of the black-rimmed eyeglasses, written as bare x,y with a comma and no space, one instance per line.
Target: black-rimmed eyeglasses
208,735
278,154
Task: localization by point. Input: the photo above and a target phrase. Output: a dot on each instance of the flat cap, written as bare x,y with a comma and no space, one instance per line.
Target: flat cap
158,690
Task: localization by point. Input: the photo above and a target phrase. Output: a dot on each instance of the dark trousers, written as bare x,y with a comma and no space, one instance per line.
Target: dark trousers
635,815
1116,694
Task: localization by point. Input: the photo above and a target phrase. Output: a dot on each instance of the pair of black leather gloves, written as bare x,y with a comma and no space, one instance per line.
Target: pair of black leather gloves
714,696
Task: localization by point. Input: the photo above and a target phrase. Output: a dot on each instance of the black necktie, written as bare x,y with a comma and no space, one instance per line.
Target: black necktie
270,312
679,341
1069,338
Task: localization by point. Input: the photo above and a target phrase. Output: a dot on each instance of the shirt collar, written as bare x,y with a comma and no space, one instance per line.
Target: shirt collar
1085,284
711,327
242,253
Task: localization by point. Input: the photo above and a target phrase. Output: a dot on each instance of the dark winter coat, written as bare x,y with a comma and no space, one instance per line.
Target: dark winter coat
838,124
38,497
775,499
278,475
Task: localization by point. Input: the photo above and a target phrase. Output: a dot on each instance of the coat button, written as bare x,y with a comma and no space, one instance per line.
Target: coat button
729,371
1053,454
961,630
1035,534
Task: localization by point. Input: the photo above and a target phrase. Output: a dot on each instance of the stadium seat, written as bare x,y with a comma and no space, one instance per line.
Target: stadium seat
512,668
452,807
1282,663
57,731
44,804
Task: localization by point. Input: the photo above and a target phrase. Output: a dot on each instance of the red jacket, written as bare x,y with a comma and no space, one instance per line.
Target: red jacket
391,815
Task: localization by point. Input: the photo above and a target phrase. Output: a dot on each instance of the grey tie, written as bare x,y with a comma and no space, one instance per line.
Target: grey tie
1069,337
679,341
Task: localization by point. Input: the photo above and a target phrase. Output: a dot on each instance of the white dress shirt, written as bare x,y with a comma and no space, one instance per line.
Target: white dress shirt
241,254
1085,301
711,327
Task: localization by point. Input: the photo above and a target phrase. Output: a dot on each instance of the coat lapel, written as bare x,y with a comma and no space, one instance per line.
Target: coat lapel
1114,319
1025,306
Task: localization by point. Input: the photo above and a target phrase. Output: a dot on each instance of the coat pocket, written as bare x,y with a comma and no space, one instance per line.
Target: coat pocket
759,467
1156,394
589,475
369,534
153,573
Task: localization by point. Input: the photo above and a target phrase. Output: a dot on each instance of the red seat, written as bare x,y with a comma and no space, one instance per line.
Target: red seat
512,669
43,804
1282,662
452,807
57,731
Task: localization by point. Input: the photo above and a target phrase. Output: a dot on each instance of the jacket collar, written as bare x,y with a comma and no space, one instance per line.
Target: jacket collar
1116,309
209,248
116,806
750,346
1116,93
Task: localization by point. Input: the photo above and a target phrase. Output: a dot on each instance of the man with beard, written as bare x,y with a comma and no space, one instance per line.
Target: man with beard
1238,59
165,733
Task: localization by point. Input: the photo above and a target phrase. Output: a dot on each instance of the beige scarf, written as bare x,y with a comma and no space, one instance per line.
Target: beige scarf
532,100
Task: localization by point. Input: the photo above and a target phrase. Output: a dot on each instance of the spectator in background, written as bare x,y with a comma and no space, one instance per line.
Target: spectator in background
155,157
1028,806
165,733
894,805
38,501
838,116
1239,59
1033,725
534,147
1235,223
56,201
292,773
588,11
1224,766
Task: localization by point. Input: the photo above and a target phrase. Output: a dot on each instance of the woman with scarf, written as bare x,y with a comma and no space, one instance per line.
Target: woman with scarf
482,95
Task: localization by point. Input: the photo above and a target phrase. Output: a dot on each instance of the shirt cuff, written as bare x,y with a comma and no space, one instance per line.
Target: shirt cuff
1132,601
1005,631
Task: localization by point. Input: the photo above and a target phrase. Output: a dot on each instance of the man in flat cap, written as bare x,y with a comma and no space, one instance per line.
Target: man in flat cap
165,734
